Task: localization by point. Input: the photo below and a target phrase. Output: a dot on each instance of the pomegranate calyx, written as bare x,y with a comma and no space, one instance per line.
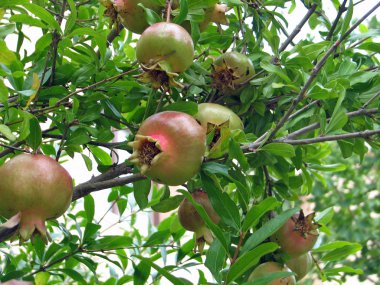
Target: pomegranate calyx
159,77
147,151
305,224
31,225
202,236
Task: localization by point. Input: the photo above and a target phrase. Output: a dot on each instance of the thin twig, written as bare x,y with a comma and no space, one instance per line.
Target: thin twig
304,108
341,10
298,28
59,102
56,39
306,129
361,134
373,98
168,10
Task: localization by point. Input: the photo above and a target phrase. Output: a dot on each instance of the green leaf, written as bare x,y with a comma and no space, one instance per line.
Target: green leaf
35,137
100,155
276,70
151,16
215,168
332,245
72,17
324,217
110,243
221,202
44,15
215,260
3,92
268,229
342,253
90,232
257,211
338,120
235,152
73,274
249,259
329,168
167,205
348,17
343,269
190,108
6,56
141,191
89,207
6,131
141,273
157,238
28,20
174,280
182,13
280,149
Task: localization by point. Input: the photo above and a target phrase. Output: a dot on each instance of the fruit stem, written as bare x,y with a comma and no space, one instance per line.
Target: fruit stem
168,10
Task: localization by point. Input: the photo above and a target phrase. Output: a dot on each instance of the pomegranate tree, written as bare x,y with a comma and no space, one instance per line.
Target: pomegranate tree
192,221
231,71
132,16
169,147
36,188
219,121
267,268
300,265
298,235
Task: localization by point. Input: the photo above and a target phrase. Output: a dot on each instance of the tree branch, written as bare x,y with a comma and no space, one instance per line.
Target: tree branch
298,28
88,187
315,72
362,134
306,129
59,102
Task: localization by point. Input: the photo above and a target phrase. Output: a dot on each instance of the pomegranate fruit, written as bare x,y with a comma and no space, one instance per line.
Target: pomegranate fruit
215,14
36,188
192,221
300,265
167,44
298,235
231,70
220,121
132,16
169,147
265,269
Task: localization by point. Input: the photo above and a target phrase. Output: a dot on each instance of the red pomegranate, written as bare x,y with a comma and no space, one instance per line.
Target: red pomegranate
192,221
169,147
37,188
298,235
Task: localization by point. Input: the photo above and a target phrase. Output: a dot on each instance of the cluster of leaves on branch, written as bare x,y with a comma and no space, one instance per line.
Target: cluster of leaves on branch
69,80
